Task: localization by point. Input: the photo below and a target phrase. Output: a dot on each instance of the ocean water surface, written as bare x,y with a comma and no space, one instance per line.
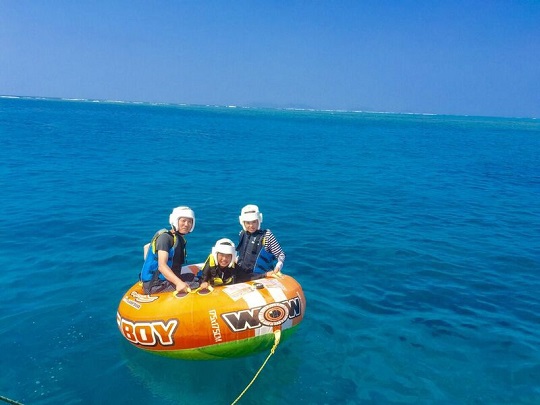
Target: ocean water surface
416,240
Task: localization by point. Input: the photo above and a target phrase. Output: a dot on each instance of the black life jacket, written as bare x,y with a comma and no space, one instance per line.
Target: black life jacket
252,256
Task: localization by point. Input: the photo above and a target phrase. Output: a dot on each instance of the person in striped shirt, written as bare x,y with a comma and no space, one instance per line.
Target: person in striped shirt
259,252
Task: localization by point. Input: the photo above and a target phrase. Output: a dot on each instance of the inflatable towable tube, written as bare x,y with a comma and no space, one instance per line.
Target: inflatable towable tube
229,321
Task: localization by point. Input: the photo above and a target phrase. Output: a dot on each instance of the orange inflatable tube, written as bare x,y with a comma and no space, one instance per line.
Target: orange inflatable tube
229,321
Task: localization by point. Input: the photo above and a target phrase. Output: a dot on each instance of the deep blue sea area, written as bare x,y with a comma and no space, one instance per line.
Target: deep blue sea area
416,240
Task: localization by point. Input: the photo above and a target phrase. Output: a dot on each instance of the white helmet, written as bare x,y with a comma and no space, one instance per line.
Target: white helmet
225,246
181,212
250,213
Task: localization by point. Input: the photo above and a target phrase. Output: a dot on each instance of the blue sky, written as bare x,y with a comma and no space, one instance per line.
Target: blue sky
443,57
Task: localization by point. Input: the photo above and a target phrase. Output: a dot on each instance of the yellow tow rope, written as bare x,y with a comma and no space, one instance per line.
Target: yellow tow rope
277,337
9,400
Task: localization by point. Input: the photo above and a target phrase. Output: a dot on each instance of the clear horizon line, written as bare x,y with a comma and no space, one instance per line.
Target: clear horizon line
100,100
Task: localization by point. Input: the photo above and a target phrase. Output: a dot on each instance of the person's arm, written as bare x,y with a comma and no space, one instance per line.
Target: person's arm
206,274
163,267
272,245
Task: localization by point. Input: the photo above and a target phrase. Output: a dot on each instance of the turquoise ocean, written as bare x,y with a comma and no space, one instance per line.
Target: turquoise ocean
416,239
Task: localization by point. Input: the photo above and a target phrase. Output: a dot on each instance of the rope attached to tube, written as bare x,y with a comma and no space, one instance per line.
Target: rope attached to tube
277,337
9,401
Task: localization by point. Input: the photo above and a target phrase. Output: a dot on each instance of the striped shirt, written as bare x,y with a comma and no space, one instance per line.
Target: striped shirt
272,245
